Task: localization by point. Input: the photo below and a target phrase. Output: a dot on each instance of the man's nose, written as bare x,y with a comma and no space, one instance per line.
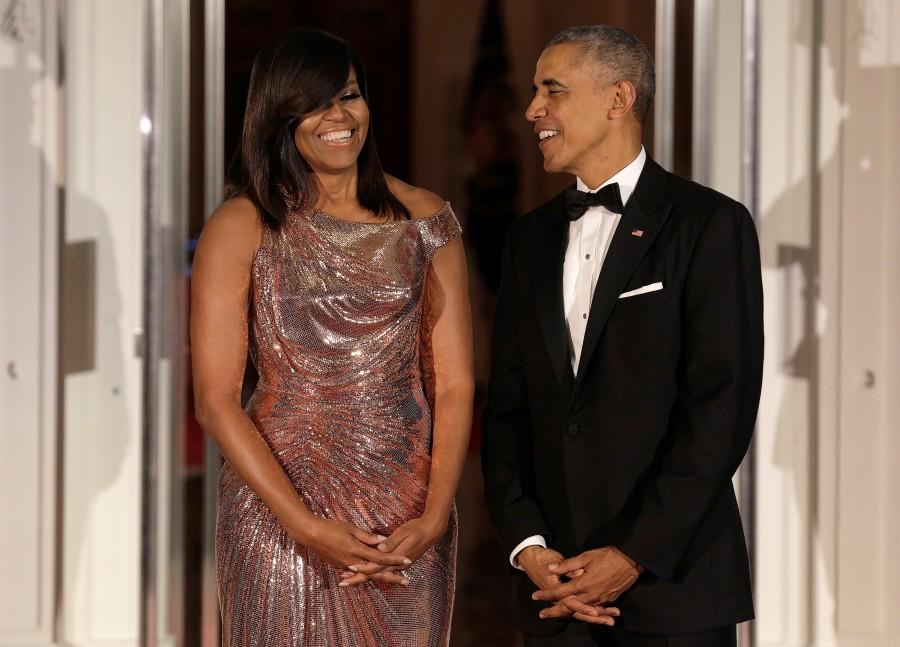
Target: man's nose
535,109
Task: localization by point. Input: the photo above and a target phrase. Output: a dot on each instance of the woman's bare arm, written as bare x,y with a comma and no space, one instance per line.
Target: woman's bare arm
449,320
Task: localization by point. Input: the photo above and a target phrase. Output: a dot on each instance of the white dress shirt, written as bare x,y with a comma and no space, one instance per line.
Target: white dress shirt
589,239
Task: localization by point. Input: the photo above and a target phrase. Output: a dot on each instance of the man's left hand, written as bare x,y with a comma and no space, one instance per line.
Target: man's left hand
599,576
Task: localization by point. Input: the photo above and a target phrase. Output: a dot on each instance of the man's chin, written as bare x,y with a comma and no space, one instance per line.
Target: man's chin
550,166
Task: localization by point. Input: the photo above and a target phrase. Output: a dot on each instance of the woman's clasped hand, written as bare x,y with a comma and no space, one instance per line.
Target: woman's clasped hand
408,542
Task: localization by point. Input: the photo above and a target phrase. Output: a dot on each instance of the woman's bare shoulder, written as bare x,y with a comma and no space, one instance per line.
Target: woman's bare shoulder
236,226
420,202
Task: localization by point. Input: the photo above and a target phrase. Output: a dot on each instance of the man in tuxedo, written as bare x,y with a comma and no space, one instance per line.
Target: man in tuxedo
627,363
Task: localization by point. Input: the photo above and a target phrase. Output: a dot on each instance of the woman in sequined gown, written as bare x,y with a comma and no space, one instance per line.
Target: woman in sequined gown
336,523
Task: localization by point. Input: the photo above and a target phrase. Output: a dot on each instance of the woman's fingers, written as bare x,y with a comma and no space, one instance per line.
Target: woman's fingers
354,579
378,557
383,577
390,544
368,568
387,577
367,537
404,546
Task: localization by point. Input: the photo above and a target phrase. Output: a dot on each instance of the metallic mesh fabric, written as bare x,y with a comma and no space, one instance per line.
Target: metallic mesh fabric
335,313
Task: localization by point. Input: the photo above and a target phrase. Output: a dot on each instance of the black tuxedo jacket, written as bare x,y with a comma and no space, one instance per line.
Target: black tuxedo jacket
638,449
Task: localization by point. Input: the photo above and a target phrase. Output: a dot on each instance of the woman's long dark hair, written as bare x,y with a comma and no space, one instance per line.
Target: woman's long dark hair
294,74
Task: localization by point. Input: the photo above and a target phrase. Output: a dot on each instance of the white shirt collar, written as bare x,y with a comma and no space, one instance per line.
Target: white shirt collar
627,178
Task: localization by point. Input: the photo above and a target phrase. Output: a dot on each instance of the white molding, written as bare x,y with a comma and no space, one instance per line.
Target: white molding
101,401
785,427
829,113
53,151
214,146
703,95
664,103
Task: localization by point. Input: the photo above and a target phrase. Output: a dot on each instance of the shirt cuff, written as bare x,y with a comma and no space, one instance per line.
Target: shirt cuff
534,540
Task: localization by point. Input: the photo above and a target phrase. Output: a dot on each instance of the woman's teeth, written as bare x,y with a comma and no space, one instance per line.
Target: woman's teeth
337,136
544,134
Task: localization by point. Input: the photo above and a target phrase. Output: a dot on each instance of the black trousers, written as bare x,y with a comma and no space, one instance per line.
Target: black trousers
582,634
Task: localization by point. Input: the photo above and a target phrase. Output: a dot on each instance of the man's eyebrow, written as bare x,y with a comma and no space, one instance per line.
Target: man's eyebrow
550,83
554,83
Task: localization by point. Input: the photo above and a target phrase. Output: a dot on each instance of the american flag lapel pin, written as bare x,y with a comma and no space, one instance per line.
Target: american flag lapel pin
637,232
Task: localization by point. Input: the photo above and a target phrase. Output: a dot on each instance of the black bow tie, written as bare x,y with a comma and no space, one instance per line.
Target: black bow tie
577,202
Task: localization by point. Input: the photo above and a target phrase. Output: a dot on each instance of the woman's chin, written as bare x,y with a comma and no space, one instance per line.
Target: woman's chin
335,163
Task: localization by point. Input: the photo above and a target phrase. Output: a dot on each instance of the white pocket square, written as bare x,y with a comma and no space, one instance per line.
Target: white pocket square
653,287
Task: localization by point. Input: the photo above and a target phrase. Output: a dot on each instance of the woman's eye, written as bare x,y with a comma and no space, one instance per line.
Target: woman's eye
350,96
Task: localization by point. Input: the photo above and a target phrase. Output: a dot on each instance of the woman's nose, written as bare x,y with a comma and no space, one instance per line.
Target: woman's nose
335,111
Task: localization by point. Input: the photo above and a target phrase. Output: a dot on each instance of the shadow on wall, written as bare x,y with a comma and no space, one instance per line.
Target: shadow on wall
91,371
793,341
793,374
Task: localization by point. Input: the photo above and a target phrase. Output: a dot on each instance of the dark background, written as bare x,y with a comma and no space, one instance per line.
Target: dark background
496,182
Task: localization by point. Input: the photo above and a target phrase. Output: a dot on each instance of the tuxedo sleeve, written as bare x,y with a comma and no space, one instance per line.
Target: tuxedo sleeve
719,379
506,431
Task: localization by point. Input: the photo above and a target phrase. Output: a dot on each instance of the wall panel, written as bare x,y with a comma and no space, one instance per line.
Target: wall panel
29,160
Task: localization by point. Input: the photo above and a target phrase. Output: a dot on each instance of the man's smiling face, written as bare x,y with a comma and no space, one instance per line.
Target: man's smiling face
570,107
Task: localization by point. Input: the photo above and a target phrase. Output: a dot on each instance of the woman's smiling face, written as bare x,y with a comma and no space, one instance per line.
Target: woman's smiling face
331,138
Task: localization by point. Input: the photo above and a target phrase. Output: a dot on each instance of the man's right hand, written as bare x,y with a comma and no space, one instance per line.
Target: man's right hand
536,561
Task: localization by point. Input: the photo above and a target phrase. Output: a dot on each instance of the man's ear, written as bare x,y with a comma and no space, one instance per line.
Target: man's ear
623,101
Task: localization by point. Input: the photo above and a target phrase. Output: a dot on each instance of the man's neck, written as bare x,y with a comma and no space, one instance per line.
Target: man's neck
607,163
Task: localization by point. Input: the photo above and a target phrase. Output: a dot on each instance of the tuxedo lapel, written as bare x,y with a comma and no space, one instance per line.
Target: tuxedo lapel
644,216
549,295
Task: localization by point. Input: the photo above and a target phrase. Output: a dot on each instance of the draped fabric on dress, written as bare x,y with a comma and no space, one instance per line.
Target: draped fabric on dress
335,313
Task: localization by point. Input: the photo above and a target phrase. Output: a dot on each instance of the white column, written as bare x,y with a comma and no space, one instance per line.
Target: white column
786,427
102,287
718,107
717,100
29,163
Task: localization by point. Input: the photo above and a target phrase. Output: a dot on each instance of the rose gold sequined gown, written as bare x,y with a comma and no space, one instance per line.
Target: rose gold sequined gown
335,314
